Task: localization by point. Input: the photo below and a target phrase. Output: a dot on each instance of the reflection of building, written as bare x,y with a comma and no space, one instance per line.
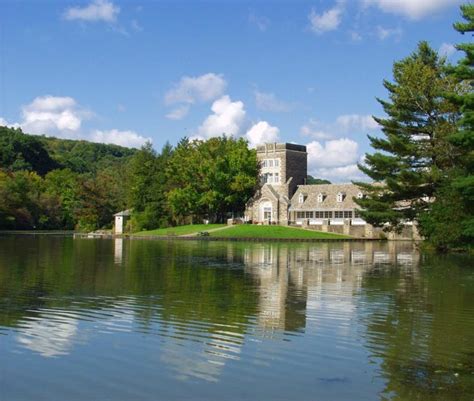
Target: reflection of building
295,282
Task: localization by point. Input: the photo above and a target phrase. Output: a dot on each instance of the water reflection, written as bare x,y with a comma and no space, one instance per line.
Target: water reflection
376,316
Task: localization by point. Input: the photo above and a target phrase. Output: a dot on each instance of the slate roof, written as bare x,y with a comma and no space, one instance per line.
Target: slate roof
330,199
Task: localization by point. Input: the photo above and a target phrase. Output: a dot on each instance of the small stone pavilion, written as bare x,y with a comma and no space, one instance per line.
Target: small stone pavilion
121,219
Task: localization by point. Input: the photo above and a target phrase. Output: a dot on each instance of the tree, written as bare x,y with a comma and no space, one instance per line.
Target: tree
450,222
316,181
211,178
412,159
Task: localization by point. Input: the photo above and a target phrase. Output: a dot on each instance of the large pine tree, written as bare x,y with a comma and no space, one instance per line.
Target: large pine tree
414,154
450,222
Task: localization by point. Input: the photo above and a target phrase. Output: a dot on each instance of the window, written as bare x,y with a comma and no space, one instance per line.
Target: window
328,214
340,196
338,214
277,163
267,213
319,215
300,215
320,198
356,214
309,215
302,198
348,214
270,163
360,195
264,163
276,178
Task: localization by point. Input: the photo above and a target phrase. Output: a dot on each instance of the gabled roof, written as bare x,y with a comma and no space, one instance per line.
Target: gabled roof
127,212
330,192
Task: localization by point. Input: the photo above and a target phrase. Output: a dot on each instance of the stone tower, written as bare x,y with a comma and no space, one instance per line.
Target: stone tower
283,166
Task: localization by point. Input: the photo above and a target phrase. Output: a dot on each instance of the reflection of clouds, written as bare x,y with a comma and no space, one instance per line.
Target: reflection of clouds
204,360
54,332
48,337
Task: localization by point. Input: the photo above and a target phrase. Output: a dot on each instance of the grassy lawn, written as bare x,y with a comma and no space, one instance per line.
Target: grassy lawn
181,230
254,231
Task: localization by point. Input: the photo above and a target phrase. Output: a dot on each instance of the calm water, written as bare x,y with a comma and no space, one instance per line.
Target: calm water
91,319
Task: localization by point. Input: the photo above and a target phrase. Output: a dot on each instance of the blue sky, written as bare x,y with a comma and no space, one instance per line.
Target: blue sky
300,71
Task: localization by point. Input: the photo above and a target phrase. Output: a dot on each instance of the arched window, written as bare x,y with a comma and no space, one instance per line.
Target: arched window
340,196
302,198
321,197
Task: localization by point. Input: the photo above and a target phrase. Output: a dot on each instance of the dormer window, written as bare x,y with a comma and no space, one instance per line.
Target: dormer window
341,196
302,198
360,195
321,197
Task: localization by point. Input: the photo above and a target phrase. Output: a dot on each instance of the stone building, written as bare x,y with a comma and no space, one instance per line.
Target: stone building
284,198
283,168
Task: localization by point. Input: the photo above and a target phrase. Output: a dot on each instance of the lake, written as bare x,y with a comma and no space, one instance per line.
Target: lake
98,319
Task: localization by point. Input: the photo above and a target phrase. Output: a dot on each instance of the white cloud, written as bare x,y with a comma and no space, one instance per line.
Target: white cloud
335,160
98,10
340,174
227,118
269,102
413,9
3,122
262,132
313,130
53,115
348,122
262,23
385,33
123,138
328,20
446,50
178,113
190,90
334,153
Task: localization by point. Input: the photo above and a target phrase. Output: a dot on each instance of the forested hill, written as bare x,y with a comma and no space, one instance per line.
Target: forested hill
20,151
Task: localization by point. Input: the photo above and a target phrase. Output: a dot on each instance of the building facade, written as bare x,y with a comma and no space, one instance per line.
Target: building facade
283,166
285,198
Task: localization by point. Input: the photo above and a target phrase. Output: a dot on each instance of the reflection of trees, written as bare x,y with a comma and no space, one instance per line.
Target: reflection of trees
422,328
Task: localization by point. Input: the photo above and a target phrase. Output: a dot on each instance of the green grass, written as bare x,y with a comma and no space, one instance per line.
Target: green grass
254,231
180,230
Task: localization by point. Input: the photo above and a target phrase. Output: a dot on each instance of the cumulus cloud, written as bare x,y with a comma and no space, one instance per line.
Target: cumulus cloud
413,9
128,139
227,118
262,132
385,33
329,20
348,122
340,174
96,11
313,129
178,113
333,153
62,116
446,50
334,160
53,115
191,90
269,102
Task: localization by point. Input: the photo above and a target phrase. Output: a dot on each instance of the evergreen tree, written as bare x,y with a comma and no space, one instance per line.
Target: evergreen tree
412,159
451,220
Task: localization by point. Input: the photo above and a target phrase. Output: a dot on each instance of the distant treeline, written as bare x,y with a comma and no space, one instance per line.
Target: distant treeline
50,183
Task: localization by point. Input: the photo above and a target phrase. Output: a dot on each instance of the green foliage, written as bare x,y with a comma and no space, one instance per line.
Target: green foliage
412,158
211,178
316,181
23,152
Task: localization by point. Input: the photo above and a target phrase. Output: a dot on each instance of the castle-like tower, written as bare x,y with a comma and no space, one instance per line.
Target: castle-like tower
283,166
